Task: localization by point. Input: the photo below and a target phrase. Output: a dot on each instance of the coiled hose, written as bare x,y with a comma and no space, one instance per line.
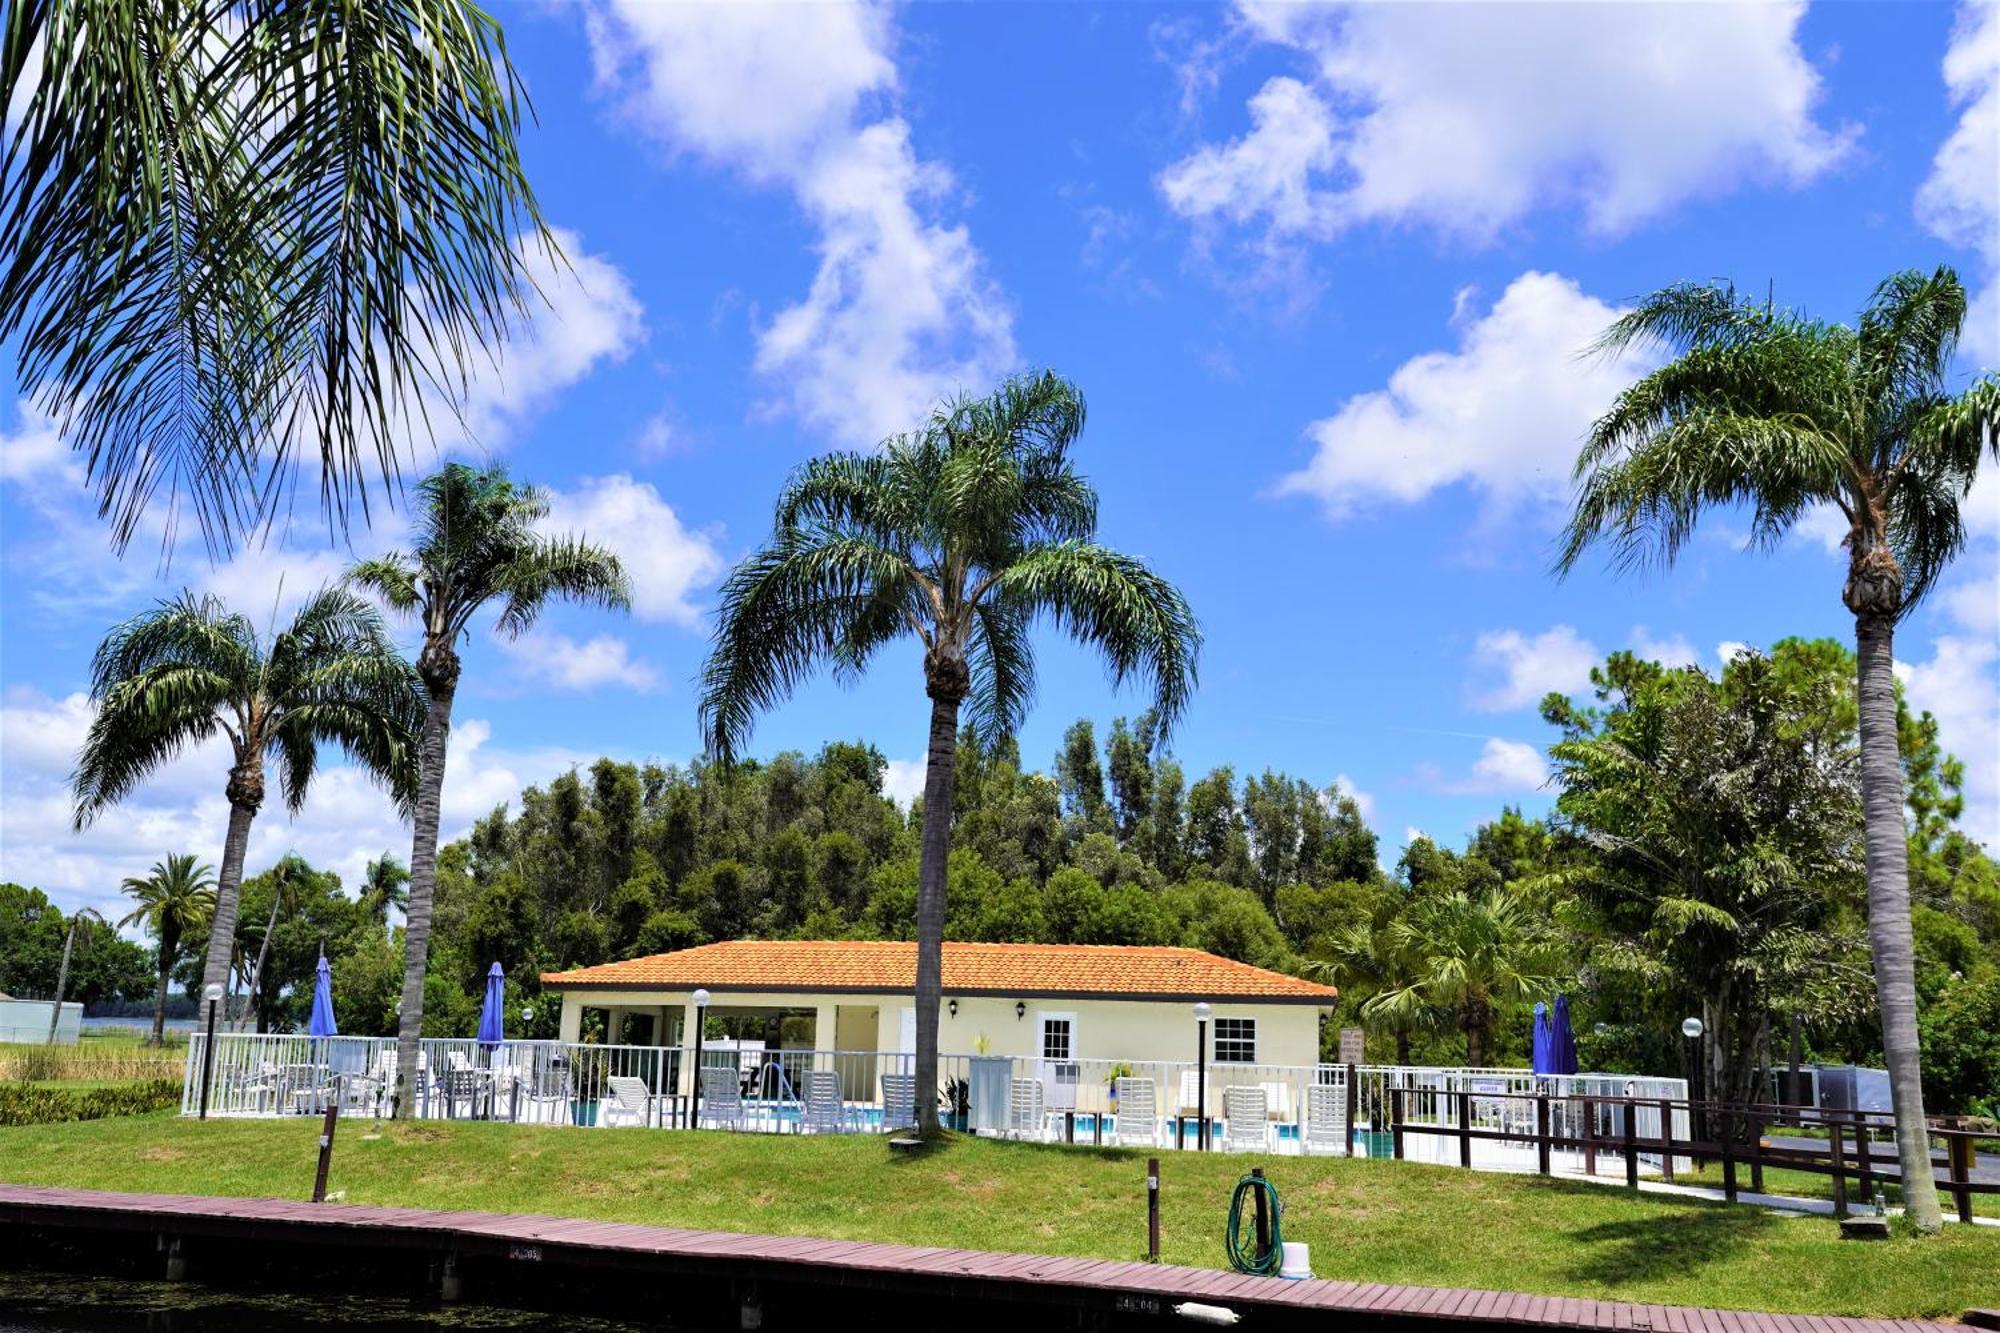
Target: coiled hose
1243,1257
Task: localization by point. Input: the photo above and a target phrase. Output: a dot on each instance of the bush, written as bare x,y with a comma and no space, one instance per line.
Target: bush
24,1104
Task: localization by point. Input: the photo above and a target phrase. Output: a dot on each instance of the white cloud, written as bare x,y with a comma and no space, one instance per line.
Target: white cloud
1503,414
903,781
1468,123
1528,667
1730,649
1960,200
347,820
563,663
1960,685
1504,767
1672,651
665,560
1363,801
902,310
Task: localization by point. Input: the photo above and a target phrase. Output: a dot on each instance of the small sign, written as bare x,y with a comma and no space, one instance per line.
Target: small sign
1351,1046
526,1253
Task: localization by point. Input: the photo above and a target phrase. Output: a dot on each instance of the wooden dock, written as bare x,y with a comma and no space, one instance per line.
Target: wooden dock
495,1255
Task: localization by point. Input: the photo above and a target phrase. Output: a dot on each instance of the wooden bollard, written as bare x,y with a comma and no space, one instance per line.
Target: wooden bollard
326,1148
1152,1210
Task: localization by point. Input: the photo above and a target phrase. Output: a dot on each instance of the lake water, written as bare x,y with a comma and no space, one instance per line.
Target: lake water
42,1302
140,1024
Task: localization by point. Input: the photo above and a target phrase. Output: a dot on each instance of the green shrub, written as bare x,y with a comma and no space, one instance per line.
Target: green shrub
24,1104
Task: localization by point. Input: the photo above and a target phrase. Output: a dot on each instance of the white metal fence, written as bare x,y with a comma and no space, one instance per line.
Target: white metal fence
1269,1108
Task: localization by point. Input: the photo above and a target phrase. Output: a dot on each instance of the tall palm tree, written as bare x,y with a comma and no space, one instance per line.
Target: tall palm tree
960,535
189,669
1369,956
286,879
1475,954
476,544
239,232
384,884
1785,413
176,900
80,919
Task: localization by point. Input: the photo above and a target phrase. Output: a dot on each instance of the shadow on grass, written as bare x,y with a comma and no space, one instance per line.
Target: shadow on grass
1680,1244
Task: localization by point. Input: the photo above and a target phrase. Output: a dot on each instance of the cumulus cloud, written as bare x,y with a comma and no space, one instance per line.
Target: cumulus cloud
1959,683
347,819
1514,670
1363,801
1467,126
1504,767
1959,202
666,560
903,781
902,310
1673,650
563,663
1502,414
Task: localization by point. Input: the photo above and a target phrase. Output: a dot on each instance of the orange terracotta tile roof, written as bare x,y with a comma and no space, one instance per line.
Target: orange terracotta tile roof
889,967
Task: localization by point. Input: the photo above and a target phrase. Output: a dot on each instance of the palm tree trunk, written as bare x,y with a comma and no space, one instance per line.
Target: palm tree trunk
246,793
931,870
423,880
169,946
263,952
62,980
1889,913
1403,1046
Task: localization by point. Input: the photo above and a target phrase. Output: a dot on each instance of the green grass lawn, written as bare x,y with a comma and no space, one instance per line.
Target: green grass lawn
1366,1221
1813,1185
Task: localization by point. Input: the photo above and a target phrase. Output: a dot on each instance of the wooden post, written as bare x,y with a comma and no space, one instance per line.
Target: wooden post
1069,1126
325,1148
1589,1138
1726,1136
1864,1169
1756,1154
1353,1105
1396,1121
1152,1210
1835,1131
1666,1141
1263,1214
1958,1157
1542,1132
1631,1144
1465,1129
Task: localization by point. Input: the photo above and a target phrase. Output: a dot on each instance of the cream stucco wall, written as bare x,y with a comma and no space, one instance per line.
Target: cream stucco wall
1128,1030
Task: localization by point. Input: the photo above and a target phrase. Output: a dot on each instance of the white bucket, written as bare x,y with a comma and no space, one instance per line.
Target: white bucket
1295,1261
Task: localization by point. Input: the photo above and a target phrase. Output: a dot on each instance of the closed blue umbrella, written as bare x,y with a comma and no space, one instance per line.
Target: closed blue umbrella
492,1024
1538,1045
322,1024
1562,1041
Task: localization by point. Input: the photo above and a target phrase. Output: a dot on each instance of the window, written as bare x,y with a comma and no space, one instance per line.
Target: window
1236,1041
1055,1039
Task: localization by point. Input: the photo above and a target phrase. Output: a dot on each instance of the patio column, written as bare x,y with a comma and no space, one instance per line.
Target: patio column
614,1026
823,1028
571,1028
690,1024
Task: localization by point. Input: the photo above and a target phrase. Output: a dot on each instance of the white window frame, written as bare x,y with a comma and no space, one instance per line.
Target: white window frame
1236,1041
1059,1076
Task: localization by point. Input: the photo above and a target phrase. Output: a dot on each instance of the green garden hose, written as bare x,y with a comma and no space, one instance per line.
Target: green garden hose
1263,1263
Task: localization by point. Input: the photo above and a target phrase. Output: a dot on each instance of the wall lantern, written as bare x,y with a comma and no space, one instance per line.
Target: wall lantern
952,1008
1020,1009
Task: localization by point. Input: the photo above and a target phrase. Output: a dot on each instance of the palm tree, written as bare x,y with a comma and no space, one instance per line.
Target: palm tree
1784,413
286,879
1368,955
384,884
80,919
960,535
188,669
236,232
476,543
1474,955
177,899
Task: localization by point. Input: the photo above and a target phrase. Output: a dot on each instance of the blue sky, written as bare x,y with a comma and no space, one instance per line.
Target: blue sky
1322,271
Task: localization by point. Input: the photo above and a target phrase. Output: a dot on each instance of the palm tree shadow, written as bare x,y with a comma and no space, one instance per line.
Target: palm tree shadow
1614,1253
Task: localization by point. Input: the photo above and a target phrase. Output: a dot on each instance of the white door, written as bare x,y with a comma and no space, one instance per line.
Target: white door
1058,1057
907,1042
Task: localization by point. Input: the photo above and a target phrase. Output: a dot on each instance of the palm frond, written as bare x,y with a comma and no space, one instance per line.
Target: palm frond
565,567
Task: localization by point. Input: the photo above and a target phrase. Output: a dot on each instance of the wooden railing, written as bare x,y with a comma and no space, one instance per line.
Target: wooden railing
1730,1134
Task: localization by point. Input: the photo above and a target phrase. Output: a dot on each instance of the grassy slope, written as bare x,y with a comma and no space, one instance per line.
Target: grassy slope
1367,1221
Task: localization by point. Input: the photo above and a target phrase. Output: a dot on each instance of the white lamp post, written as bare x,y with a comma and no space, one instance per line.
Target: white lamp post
213,994
1201,1013
700,998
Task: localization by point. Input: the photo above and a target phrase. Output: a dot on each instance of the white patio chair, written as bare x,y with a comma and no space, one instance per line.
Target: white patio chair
899,1100
1246,1112
1326,1119
1138,1120
721,1099
1026,1116
825,1112
1278,1096
631,1101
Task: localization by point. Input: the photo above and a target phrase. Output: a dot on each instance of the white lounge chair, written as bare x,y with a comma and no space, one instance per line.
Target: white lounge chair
1138,1120
631,1101
899,1100
721,1099
1326,1119
1026,1114
1246,1112
825,1112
